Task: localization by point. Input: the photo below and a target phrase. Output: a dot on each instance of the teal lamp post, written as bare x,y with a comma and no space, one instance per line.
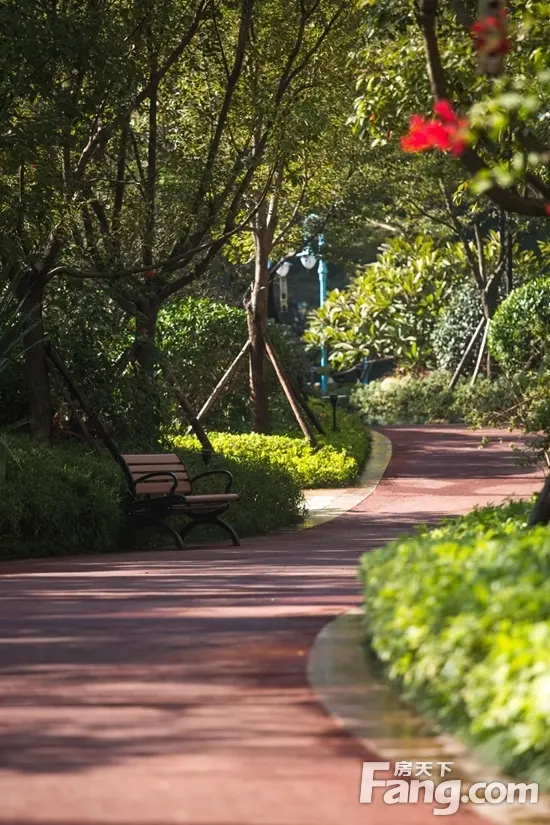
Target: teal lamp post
309,260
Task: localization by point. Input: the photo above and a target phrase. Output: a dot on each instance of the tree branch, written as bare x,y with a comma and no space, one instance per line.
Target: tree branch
509,199
104,133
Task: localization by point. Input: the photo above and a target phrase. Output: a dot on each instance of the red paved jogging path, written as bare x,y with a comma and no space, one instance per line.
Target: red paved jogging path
170,687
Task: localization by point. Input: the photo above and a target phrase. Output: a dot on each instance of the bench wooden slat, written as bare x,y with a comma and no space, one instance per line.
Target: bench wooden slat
167,458
141,470
160,487
142,464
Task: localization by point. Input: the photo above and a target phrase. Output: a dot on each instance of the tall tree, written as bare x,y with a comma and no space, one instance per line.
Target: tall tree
136,141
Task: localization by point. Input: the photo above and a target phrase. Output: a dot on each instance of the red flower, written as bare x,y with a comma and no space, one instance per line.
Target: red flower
149,274
547,208
444,111
490,34
446,131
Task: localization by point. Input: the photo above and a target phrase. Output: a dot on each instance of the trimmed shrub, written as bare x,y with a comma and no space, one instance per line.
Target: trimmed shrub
460,617
59,500
406,400
519,335
335,464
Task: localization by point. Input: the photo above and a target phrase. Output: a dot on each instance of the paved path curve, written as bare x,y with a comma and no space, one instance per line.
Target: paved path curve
163,688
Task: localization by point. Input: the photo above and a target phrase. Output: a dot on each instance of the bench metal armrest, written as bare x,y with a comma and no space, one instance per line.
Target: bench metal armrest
225,473
156,474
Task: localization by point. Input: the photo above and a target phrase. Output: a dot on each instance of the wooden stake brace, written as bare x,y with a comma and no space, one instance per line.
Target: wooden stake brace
300,397
77,392
195,424
467,351
222,384
287,389
481,352
294,395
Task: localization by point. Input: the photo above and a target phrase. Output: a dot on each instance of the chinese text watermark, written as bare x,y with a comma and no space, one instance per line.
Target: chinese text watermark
415,782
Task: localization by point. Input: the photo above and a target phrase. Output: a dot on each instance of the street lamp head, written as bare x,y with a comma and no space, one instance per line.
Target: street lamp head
309,261
283,269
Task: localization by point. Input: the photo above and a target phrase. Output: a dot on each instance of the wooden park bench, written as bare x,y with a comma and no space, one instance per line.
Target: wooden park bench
160,487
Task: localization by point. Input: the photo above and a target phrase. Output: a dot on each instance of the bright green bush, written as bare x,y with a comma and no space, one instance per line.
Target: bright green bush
519,336
58,501
335,464
390,307
460,616
270,495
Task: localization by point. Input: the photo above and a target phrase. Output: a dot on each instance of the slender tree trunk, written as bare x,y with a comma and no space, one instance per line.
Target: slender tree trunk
146,406
257,327
31,293
489,298
146,329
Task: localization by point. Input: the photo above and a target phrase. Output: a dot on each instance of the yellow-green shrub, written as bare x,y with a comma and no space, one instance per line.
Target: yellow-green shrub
336,463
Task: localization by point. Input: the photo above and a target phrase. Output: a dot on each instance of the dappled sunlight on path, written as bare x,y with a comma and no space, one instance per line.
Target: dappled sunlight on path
170,687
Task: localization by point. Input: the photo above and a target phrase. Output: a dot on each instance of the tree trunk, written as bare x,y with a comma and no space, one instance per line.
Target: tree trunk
31,294
146,406
257,328
489,298
146,331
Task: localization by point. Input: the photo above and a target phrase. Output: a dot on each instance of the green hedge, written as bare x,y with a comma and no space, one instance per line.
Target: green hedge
460,617
58,501
336,463
407,400
519,336
270,496
427,400
201,338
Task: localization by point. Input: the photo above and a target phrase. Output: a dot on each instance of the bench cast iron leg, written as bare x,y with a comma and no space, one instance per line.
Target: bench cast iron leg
228,529
162,526
184,532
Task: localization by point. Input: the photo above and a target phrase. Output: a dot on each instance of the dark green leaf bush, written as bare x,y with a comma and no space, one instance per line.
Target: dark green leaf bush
460,617
201,338
58,501
455,327
335,464
519,337
490,403
407,400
